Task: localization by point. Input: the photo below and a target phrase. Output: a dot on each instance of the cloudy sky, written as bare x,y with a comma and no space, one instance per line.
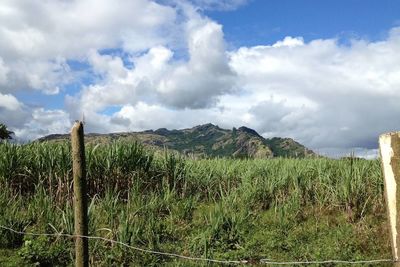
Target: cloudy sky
326,73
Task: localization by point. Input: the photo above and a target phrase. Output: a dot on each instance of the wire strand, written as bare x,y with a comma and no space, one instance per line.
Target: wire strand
263,261
266,261
132,247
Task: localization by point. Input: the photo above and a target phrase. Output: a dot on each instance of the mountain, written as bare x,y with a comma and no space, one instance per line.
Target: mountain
206,140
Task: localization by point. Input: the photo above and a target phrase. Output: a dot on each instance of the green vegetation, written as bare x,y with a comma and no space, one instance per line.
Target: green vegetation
5,134
205,141
280,209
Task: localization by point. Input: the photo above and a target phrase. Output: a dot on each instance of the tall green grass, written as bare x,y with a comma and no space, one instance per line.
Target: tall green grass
297,209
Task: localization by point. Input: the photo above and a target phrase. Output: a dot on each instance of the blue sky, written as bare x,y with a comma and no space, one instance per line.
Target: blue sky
309,69
260,22
266,21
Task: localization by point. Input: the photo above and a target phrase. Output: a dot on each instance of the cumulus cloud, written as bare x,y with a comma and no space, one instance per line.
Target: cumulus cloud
334,95
9,102
143,116
195,83
74,27
3,72
36,37
29,123
12,112
43,122
206,76
172,70
225,5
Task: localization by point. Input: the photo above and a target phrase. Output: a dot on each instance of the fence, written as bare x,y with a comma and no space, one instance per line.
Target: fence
261,261
390,147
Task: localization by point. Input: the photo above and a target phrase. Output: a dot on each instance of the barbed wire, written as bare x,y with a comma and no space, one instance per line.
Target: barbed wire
266,261
129,246
174,255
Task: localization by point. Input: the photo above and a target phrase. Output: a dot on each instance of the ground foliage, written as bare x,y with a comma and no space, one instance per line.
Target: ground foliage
279,209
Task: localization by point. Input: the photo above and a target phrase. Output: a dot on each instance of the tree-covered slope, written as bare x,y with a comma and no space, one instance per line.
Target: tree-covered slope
206,140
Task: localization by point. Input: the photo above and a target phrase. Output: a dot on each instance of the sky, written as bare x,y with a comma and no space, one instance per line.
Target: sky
326,73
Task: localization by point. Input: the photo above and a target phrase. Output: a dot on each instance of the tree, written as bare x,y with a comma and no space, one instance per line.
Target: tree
5,133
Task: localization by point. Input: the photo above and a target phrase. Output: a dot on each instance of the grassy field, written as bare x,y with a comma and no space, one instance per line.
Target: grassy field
279,209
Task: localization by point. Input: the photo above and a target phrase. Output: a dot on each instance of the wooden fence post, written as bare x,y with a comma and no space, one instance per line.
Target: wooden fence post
389,145
80,195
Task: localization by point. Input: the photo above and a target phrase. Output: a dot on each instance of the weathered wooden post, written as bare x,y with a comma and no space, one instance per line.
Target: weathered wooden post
80,195
389,145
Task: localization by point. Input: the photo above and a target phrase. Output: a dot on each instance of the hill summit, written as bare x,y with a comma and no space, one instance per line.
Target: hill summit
207,140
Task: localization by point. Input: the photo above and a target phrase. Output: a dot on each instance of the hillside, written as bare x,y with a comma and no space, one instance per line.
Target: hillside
206,140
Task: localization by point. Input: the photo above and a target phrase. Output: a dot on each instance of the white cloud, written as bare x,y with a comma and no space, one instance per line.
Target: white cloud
157,78
30,123
206,75
172,70
4,70
219,4
289,41
12,112
334,152
44,76
321,93
335,95
143,116
36,37
112,66
70,28
43,122
9,102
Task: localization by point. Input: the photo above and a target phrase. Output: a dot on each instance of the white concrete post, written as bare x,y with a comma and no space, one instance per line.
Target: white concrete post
389,145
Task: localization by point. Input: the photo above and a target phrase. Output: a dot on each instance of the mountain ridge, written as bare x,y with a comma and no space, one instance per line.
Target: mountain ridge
206,140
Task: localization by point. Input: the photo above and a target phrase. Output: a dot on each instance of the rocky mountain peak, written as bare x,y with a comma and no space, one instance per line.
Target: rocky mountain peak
207,140
205,127
249,131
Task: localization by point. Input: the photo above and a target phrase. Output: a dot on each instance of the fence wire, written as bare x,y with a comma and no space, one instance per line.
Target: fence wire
174,255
